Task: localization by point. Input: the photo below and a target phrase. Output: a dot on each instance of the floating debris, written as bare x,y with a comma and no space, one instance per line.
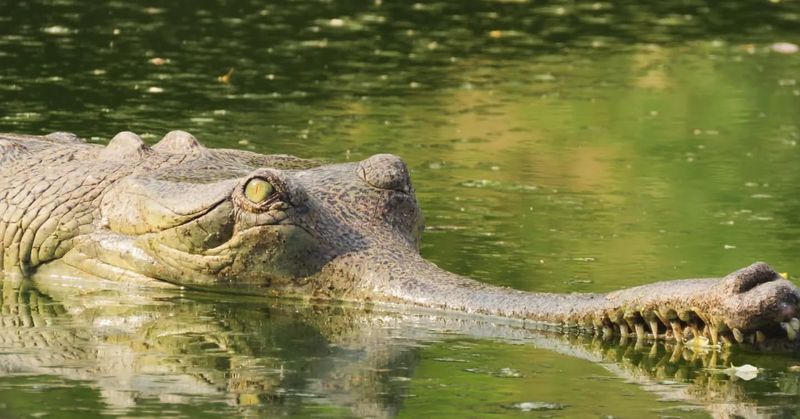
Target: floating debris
746,372
508,373
537,406
226,78
155,89
784,48
57,30
158,61
496,34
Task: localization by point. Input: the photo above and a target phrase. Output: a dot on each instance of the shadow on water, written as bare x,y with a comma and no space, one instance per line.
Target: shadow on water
71,345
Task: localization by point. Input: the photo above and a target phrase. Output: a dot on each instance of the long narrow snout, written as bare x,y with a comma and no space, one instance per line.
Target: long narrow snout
749,304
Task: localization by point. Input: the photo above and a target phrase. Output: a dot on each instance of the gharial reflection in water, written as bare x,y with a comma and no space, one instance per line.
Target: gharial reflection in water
166,353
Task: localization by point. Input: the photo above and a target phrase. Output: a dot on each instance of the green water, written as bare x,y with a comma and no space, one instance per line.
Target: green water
555,146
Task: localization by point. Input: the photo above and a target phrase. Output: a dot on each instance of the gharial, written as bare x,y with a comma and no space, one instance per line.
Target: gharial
182,214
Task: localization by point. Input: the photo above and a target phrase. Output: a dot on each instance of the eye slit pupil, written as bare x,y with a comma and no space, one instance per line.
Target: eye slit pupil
258,190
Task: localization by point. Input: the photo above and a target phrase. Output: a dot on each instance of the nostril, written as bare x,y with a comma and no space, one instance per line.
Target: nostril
748,278
385,171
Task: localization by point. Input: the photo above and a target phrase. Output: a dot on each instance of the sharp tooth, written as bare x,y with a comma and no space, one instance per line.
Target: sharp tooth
639,331
738,335
654,328
623,330
677,330
790,332
760,337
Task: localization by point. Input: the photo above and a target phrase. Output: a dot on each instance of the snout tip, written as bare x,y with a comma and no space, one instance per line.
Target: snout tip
385,171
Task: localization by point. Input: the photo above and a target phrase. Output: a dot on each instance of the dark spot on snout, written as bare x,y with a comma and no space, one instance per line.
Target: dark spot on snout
385,171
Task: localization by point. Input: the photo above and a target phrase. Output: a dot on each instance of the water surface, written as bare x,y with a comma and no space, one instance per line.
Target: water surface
554,146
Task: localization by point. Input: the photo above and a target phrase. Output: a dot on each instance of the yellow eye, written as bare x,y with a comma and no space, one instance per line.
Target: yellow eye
258,190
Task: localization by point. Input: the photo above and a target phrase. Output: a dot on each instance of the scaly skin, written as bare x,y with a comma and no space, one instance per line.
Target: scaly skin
179,213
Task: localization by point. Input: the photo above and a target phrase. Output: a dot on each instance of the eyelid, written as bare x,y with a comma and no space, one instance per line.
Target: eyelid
278,194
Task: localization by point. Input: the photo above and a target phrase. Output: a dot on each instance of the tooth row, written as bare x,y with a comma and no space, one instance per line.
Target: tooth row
679,326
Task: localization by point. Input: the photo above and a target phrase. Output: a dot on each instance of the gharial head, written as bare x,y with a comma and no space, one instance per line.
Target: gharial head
239,221
245,222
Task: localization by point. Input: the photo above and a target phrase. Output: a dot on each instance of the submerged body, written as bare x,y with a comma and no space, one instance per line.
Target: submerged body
179,213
